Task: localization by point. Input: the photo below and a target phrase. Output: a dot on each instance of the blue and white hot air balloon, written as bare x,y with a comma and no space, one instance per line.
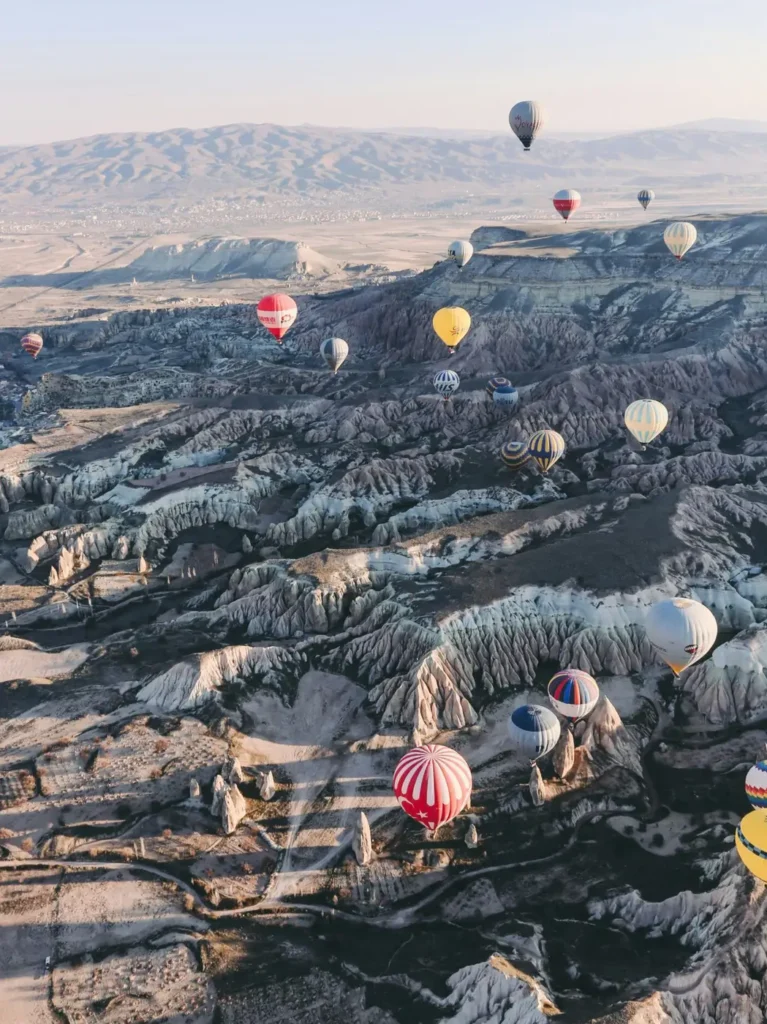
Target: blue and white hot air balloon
534,730
645,197
447,382
506,394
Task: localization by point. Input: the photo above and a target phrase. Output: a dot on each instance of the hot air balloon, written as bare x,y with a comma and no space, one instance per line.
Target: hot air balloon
526,120
451,324
534,730
645,419
680,237
432,784
461,252
566,202
756,785
515,454
751,843
682,631
334,351
496,382
574,694
277,313
506,394
447,383
645,197
546,447
32,344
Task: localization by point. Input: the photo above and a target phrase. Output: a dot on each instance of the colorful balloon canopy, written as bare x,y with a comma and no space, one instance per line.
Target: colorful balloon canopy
682,631
645,197
680,237
506,394
334,351
432,784
526,120
451,325
461,252
447,383
751,843
534,730
546,447
566,202
32,344
496,382
277,313
756,784
573,693
645,419
515,454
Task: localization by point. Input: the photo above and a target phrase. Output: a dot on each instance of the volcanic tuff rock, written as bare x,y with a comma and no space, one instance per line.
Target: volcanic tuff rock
319,568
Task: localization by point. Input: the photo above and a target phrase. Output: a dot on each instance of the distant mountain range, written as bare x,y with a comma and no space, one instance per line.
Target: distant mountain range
273,160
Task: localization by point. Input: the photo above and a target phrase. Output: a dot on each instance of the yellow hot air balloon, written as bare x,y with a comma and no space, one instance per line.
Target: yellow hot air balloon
751,843
546,447
451,325
645,419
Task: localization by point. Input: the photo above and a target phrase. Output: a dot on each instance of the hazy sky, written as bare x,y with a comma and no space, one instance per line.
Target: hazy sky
80,67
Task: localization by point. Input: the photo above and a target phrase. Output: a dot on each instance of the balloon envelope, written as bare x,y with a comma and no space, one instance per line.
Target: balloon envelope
461,252
277,313
645,197
334,351
534,730
432,784
546,447
566,202
751,843
32,344
680,237
451,325
756,784
526,120
447,383
645,419
682,631
496,382
515,454
573,693
506,394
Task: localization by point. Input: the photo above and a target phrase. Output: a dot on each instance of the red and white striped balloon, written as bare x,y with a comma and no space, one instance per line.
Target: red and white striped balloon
566,202
432,784
278,314
32,345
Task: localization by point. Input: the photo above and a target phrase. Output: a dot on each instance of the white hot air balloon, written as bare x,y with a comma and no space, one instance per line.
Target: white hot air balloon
680,237
334,351
447,382
645,419
526,120
460,252
682,631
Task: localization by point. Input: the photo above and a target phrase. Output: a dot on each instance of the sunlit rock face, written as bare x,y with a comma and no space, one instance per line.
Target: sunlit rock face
317,571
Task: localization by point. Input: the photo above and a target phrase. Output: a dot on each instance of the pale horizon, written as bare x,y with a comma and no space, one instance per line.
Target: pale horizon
90,70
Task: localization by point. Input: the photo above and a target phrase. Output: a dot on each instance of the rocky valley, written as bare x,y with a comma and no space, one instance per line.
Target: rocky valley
235,588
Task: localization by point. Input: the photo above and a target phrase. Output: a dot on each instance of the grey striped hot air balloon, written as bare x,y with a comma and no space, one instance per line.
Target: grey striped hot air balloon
680,237
334,351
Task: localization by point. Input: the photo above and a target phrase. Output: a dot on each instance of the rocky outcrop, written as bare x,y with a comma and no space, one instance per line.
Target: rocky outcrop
537,787
266,787
362,844
563,754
